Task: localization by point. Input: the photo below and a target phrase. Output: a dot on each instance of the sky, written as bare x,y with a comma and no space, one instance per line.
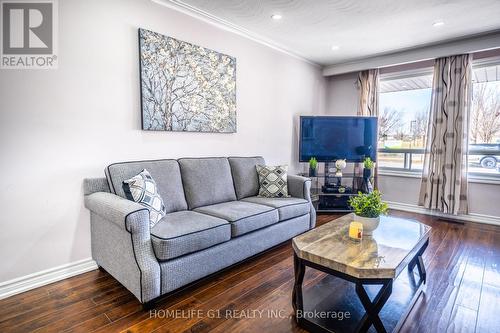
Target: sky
409,102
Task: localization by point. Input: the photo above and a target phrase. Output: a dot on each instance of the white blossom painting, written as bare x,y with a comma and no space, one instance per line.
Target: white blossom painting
186,87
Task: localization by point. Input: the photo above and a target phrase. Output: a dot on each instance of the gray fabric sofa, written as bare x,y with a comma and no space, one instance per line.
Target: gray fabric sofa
214,220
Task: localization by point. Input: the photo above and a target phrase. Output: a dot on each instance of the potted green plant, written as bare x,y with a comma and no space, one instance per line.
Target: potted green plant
368,165
367,209
313,164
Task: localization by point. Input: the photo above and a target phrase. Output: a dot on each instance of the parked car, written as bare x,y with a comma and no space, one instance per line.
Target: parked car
486,161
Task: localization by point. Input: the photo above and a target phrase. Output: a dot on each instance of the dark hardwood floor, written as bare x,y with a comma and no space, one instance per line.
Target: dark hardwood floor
463,293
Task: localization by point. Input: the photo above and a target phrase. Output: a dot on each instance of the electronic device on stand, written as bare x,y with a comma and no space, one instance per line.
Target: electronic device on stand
333,177
337,141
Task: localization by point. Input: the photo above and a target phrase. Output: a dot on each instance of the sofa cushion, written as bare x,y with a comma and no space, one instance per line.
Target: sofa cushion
207,181
273,181
246,180
287,207
143,189
243,216
166,173
184,232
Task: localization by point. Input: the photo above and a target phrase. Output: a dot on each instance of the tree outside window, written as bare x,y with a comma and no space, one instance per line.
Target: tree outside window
404,114
403,121
484,130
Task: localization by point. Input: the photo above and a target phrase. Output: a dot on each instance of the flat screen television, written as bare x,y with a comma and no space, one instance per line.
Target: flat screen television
329,138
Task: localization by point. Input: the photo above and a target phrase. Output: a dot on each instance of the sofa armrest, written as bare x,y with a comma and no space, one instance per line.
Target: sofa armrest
299,187
121,243
127,214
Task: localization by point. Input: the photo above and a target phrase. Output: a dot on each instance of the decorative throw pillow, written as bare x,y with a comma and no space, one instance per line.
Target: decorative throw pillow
273,181
142,189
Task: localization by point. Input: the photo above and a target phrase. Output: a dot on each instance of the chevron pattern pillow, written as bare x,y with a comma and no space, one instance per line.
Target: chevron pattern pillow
142,189
273,181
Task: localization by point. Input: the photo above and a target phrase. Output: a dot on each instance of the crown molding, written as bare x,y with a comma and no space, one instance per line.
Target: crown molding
231,27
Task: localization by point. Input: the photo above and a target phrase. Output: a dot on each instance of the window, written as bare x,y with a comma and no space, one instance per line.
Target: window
484,129
404,112
404,103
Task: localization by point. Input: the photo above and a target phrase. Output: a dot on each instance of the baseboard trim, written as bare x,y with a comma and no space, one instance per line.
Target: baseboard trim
42,278
476,218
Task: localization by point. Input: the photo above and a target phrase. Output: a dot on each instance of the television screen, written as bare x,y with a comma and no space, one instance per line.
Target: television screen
332,138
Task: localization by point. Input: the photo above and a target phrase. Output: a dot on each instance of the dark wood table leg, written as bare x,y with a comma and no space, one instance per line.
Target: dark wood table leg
373,308
419,262
421,269
299,269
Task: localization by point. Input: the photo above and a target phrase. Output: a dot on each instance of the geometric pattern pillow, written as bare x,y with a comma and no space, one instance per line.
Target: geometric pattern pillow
273,181
142,189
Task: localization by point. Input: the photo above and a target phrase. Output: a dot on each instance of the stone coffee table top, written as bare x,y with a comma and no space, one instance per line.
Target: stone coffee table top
383,255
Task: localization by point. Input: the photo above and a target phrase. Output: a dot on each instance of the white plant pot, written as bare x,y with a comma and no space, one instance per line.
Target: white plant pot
369,223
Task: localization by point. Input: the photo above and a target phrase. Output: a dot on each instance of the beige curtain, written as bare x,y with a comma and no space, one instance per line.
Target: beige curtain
368,86
444,177
368,93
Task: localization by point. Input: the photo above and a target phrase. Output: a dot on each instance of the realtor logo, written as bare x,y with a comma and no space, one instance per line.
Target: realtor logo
29,34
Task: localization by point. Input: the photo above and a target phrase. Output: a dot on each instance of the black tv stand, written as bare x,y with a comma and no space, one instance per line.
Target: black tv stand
331,193
336,189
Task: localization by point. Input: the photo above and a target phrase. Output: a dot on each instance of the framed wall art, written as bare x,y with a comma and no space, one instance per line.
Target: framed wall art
185,87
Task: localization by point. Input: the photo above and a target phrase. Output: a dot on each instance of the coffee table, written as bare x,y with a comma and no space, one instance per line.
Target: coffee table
365,285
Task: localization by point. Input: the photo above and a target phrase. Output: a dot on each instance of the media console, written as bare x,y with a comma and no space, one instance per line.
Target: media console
331,193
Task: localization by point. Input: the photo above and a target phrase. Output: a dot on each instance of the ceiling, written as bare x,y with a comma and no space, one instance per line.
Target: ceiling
480,74
487,74
360,28
408,83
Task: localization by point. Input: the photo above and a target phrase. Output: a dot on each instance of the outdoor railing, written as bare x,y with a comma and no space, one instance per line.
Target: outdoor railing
414,156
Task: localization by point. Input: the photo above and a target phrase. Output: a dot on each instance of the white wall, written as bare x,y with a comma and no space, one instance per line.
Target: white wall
342,99
60,126
483,198
342,95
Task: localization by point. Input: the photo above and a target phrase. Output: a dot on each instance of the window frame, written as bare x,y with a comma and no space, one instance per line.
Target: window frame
475,176
407,171
403,172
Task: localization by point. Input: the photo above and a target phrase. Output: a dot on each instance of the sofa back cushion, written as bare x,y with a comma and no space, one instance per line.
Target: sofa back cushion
246,180
166,174
207,181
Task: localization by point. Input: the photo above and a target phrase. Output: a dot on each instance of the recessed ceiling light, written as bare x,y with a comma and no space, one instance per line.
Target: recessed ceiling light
438,24
335,47
276,17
